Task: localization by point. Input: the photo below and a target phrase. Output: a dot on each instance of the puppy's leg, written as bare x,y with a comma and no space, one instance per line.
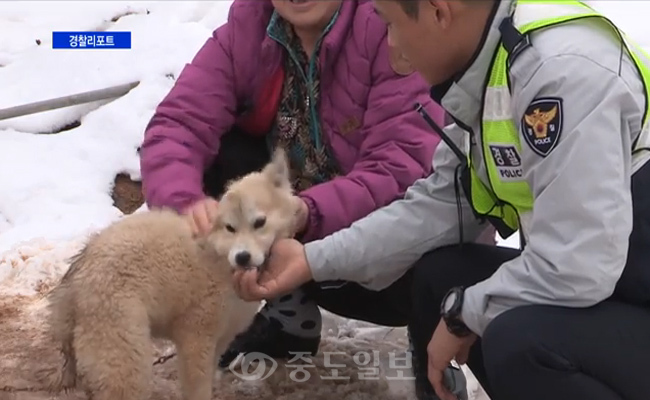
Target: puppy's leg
195,336
114,350
238,317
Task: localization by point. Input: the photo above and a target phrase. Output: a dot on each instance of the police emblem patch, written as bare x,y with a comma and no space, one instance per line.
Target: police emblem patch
542,124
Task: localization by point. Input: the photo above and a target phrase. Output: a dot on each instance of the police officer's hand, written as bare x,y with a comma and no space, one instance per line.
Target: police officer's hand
444,347
286,270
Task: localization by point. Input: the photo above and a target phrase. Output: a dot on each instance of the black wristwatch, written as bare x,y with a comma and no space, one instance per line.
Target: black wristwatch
450,312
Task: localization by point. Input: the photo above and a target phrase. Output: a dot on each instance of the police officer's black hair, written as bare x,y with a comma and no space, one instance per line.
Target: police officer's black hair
410,7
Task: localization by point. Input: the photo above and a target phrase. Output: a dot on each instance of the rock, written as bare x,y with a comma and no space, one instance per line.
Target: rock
127,194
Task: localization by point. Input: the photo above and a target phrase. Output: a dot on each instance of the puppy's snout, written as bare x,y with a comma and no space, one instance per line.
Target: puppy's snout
243,258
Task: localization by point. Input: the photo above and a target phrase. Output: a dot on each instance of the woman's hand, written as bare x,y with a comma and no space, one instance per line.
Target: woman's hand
201,215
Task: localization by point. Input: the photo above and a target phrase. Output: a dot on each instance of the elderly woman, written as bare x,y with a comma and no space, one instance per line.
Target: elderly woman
319,79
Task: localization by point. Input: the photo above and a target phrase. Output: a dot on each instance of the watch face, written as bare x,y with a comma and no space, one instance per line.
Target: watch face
449,301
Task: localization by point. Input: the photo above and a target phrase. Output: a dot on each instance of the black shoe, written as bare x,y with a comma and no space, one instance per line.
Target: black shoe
454,379
267,336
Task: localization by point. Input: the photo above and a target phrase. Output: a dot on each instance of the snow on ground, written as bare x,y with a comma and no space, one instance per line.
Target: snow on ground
55,189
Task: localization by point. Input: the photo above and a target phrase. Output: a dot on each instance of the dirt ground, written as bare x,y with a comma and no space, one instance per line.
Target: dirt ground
127,194
24,350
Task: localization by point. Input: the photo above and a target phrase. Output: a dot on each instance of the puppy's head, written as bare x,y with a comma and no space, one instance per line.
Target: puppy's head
254,212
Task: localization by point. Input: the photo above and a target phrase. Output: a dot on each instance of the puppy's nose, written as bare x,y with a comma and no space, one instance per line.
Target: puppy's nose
243,258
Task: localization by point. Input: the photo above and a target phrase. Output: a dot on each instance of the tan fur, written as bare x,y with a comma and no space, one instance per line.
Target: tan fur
146,276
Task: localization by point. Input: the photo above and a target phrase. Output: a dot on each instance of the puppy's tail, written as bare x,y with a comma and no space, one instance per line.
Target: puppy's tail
61,323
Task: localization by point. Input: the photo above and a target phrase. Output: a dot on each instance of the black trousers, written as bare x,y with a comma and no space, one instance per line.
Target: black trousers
529,353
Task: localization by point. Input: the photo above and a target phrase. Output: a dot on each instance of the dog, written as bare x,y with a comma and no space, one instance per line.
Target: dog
146,277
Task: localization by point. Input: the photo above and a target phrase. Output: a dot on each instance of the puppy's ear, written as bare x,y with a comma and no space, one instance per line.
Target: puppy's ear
277,170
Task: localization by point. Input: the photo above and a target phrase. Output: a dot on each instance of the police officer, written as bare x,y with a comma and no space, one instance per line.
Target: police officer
551,140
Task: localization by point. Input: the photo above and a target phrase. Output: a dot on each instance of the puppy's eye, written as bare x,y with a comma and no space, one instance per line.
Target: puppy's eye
259,222
230,228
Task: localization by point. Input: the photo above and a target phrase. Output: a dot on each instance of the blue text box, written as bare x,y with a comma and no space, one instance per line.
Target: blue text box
91,40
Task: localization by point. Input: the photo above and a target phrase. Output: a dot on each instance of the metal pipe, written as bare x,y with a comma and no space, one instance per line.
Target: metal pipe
67,101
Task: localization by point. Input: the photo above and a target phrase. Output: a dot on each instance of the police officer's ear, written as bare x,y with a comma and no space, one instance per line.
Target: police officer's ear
446,12
437,12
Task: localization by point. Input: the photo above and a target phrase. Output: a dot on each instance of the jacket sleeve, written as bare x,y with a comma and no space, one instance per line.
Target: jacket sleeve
396,151
582,218
378,249
183,136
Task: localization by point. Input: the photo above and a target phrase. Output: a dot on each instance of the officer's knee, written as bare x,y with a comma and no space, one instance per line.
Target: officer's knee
434,274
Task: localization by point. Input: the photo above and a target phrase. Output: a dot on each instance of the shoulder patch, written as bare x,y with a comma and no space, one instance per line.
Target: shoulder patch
399,63
542,124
